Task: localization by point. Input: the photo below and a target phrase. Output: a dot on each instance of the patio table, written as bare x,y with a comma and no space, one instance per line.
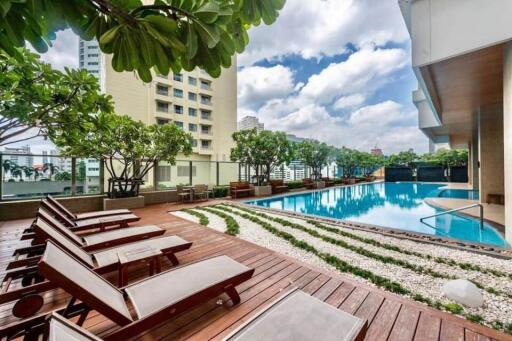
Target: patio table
145,254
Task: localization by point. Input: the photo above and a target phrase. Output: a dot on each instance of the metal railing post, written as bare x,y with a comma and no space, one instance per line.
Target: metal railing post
190,173
102,176
73,176
294,172
217,173
156,174
239,172
1,175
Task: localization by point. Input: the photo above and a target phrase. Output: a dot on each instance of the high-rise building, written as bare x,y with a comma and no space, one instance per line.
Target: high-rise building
250,122
376,151
20,156
89,57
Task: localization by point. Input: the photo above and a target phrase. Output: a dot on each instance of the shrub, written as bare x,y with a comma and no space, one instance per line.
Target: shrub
220,191
453,308
294,184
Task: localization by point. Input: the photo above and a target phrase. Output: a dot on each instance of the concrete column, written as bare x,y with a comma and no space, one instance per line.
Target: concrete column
507,137
473,162
490,139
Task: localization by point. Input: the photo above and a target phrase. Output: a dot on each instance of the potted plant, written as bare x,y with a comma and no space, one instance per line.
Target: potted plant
314,155
263,152
130,149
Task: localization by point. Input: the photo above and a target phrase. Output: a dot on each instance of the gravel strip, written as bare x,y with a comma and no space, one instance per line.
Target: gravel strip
216,222
187,216
496,307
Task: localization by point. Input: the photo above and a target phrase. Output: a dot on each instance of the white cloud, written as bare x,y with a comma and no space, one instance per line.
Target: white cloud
257,84
64,52
350,101
317,28
384,113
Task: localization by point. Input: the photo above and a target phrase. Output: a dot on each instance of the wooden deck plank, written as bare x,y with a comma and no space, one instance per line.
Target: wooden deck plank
428,327
383,321
405,324
451,331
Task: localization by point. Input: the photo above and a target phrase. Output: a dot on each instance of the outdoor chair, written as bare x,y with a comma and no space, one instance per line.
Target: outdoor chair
201,192
183,193
298,316
308,183
86,215
328,181
278,186
154,299
120,220
33,283
238,188
98,240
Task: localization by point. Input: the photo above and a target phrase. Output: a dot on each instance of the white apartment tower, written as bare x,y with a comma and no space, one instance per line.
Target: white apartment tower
89,57
250,122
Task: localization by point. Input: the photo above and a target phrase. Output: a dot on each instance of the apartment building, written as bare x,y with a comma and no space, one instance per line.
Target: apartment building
250,122
462,58
89,57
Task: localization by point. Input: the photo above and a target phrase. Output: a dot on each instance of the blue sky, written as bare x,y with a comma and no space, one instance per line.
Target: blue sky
335,70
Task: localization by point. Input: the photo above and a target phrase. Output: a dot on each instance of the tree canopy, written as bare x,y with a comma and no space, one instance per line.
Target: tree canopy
405,159
263,151
36,100
159,34
314,154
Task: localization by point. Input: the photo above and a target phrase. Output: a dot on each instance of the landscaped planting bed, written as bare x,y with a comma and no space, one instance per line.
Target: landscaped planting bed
415,270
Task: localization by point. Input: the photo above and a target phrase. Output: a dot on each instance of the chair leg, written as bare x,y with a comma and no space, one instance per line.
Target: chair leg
233,294
172,258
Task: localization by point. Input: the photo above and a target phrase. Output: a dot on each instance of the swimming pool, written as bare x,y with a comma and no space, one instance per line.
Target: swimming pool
396,205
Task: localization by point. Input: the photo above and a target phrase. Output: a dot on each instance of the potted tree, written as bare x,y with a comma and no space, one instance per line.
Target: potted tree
130,149
314,155
262,151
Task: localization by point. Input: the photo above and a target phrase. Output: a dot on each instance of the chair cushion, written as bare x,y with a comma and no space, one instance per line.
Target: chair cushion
97,214
102,237
106,220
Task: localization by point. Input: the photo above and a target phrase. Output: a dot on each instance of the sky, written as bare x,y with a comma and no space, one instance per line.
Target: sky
334,70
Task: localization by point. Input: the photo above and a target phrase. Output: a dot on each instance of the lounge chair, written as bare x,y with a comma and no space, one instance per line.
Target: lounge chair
236,188
300,317
155,299
308,183
101,262
201,192
86,215
98,240
121,220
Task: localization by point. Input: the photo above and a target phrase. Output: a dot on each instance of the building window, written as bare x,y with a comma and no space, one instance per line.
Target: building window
178,93
162,121
206,100
205,85
92,63
192,112
162,90
192,80
164,173
192,127
92,55
178,77
185,170
162,107
192,96
205,114
194,143
179,124
205,129
205,144
178,109
93,47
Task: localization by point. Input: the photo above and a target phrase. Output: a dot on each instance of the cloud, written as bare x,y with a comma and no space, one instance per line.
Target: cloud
350,101
317,28
64,52
256,84
384,113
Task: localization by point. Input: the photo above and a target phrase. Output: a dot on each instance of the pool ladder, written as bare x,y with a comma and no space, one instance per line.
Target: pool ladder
457,210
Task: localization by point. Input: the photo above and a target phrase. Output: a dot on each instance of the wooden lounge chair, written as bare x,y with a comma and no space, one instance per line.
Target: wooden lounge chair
308,183
240,188
278,186
300,317
328,181
33,283
121,220
155,299
98,240
86,215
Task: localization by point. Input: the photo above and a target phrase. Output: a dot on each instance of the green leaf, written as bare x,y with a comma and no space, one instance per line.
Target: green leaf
208,13
209,34
162,23
109,36
191,42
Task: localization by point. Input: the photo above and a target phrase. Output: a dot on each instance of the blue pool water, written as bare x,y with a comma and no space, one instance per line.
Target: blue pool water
459,194
396,205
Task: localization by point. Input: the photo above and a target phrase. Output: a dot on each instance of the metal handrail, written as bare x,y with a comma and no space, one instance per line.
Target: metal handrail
459,209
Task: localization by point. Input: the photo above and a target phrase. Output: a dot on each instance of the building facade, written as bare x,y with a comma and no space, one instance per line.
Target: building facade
89,57
250,122
462,58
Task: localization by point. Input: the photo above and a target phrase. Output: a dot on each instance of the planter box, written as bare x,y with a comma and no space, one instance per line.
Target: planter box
300,189
114,204
351,181
319,184
261,191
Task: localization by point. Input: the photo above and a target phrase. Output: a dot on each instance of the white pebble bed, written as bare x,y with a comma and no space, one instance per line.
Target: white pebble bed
185,215
215,222
496,307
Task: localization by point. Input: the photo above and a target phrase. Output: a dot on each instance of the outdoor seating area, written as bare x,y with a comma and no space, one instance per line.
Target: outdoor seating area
224,288
238,189
278,186
193,193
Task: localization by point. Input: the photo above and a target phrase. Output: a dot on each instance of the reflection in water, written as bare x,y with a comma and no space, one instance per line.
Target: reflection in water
397,205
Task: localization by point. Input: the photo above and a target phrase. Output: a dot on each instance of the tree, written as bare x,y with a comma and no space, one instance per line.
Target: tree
405,159
50,168
130,149
36,100
63,176
315,155
8,165
348,160
263,151
162,34
28,171
17,172
81,171
447,157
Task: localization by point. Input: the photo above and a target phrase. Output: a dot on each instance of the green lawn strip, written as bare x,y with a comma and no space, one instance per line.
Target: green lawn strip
378,280
203,220
360,250
232,227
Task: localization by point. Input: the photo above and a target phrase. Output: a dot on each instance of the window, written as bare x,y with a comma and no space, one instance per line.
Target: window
178,109
164,173
162,107
93,71
185,171
205,114
162,90
192,127
194,143
178,93
92,55
205,85
205,129
206,100
94,47
192,96
205,144
179,124
192,112
192,80
178,77
92,63
162,121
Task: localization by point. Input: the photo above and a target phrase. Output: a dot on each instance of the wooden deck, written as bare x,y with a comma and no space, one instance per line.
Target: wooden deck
390,317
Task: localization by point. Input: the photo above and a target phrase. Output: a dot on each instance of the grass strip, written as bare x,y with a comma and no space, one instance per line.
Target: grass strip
232,227
203,220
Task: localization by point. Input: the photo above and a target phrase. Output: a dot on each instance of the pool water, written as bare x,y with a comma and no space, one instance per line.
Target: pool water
459,194
396,205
